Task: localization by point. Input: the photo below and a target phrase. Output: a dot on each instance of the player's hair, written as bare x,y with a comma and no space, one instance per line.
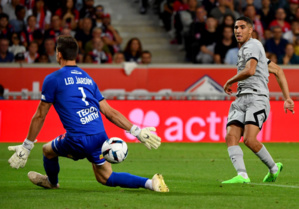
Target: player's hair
68,47
246,19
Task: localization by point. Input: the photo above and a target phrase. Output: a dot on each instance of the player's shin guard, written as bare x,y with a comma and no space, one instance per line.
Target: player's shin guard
236,156
126,180
52,169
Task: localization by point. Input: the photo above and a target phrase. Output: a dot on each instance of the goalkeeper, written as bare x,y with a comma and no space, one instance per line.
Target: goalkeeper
77,100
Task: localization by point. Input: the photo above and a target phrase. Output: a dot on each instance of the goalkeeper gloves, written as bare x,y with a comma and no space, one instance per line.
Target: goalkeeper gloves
145,136
19,158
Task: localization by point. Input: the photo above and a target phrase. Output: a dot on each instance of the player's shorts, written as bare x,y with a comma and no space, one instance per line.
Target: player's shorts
80,147
249,109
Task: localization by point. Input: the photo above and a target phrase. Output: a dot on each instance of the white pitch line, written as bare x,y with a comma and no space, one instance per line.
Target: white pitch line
276,185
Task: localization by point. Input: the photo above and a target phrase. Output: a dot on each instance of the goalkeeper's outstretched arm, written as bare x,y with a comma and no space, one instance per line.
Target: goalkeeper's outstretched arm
19,158
144,135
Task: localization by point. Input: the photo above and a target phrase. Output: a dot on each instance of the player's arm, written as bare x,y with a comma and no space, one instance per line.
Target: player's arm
19,158
144,135
248,71
283,84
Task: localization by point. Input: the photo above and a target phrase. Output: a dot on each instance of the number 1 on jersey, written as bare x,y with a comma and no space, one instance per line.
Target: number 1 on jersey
83,95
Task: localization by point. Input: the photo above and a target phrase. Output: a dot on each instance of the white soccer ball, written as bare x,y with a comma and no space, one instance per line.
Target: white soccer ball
115,150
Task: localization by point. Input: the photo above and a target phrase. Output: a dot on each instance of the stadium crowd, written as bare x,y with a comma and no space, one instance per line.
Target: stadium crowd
29,28
205,28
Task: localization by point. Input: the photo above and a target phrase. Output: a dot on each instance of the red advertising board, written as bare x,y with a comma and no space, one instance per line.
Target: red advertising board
176,121
177,78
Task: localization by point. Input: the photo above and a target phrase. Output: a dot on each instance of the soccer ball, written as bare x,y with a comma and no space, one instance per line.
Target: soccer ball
115,150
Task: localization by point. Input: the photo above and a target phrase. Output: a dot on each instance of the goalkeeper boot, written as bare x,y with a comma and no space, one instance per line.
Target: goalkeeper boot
271,177
237,180
159,184
41,180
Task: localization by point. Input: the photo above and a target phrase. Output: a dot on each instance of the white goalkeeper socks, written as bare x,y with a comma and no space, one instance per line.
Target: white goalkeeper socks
149,184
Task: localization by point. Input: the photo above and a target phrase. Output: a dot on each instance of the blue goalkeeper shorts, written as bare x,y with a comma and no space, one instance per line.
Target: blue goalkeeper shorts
80,147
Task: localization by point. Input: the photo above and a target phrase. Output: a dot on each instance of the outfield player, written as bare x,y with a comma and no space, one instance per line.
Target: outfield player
78,101
251,108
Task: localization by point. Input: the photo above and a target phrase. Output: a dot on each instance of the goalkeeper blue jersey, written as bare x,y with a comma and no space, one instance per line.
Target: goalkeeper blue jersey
75,97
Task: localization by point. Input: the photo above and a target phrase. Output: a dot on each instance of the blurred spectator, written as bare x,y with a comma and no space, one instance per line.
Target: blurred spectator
223,8
280,17
42,14
276,4
255,35
297,15
228,20
289,57
266,14
15,47
143,6
272,57
98,54
276,44
38,37
18,24
84,35
203,49
166,14
5,55
31,55
50,50
291,10
27,34
231,57
43,58
251,13
99,12
118,58
88,10
10,8
133,50
209,5
267,35
110,35
66,32
1,92
256,3
5,30
146,57
197,27
228,42
1,9
88,58
96,33
183,20
68,14
55,30
292,34
20,58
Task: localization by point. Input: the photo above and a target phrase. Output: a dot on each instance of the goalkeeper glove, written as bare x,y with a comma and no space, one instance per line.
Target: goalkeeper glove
19,158
145,136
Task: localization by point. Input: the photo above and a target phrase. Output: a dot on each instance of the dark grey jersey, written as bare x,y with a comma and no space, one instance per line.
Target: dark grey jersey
258,83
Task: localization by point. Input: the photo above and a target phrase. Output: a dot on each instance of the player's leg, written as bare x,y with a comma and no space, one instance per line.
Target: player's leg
106,176
233,135
256,115
52,168
234,131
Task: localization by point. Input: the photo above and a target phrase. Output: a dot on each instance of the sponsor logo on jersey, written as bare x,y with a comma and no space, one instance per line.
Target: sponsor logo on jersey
76,72
43,97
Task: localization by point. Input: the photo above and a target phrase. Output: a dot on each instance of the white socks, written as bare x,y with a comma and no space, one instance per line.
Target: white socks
149,184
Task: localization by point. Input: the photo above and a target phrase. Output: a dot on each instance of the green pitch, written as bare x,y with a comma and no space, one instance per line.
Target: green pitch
193,173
